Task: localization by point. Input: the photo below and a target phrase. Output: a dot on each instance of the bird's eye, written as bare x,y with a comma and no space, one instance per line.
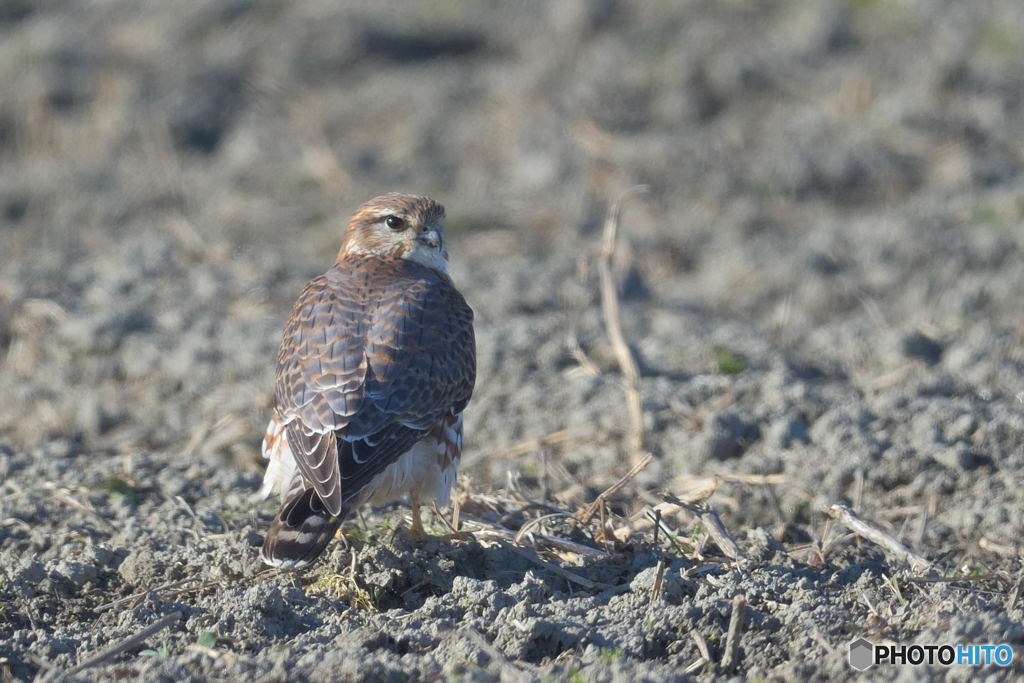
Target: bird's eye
394,222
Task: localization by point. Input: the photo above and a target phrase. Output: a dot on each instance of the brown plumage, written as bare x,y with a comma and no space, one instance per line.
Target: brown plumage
376,366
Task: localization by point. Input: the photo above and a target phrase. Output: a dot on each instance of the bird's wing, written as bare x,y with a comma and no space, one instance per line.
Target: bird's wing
321,376
421,353
371,359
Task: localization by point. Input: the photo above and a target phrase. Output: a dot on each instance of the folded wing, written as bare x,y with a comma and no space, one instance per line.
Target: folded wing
372,358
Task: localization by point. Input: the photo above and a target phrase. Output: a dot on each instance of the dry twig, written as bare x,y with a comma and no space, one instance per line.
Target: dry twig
127,643
713,523
705,653
484,531
613,321
456,513
751,479
536,521
923,580
142,594
659,579
564,573
659,524
851,521
986,543
576,351
647,517
732,639
586,515
63,495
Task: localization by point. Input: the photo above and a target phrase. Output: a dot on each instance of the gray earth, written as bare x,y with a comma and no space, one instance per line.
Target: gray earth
823,288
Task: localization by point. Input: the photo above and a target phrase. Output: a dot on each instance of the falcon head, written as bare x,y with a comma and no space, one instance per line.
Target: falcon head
397,225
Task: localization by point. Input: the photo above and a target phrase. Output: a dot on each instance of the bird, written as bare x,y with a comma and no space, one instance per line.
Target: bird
377,364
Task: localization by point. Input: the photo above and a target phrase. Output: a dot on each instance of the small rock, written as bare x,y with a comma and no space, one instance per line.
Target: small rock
26,577
76,574
139,568
923,347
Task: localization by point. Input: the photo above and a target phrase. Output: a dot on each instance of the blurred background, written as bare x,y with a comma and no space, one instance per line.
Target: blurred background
834,187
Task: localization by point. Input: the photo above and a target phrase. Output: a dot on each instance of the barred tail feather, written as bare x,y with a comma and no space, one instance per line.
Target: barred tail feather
300,532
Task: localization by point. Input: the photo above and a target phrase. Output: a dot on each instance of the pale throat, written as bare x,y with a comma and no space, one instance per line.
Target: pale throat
431,257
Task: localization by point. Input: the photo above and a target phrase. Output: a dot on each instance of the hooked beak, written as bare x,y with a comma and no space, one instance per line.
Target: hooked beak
430,238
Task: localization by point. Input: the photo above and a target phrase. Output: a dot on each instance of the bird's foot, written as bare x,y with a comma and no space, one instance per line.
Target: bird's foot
421,535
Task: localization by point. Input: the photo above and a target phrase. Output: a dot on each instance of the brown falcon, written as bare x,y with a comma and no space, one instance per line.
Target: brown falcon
376,366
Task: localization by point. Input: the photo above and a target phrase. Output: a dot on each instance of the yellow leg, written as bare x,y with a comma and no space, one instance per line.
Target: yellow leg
416,530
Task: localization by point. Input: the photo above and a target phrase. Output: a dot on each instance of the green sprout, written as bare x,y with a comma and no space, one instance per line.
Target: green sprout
729,362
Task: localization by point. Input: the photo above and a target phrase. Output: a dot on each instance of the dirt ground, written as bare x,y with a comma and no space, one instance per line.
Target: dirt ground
823,289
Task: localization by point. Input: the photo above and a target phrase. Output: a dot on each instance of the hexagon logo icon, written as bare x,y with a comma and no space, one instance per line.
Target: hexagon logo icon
861,654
